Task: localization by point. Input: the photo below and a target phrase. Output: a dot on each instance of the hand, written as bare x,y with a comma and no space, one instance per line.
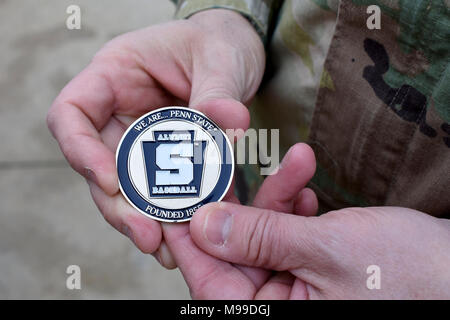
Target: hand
327,256
201,62
209,277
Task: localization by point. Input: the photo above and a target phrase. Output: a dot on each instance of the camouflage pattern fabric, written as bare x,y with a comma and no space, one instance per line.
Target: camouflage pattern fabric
373,104
259,12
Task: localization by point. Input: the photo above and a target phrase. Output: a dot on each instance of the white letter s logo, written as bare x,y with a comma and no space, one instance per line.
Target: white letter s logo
170,157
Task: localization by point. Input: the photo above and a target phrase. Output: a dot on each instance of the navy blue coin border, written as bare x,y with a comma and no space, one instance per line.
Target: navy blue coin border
136,199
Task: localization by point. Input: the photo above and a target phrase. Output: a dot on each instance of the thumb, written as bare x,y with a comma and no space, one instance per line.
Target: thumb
221,88
257,237
226,113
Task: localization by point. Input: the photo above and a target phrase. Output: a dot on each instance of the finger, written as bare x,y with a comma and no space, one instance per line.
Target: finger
277,288
145,233
113,132
256,275
299,290
283,286
206,276
81,110
110,84
306,203
226,113
256,237
111,135
279,191
165,257
219,88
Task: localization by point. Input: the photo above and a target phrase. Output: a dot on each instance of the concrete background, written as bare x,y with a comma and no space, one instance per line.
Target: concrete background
47,218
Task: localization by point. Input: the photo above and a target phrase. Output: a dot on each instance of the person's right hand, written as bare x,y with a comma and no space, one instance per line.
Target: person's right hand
211,278
212,62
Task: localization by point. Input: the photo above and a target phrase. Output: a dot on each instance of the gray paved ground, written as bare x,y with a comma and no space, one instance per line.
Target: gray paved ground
47,219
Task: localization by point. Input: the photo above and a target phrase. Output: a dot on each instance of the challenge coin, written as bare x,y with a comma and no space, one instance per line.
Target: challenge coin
172,161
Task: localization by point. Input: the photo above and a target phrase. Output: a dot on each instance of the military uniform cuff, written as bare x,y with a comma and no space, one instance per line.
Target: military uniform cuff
258,12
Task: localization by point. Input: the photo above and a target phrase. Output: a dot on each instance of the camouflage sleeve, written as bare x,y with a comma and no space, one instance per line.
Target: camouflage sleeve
259,12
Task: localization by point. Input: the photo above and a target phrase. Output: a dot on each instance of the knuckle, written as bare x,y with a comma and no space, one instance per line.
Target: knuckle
114,58
263,240
347,230
365,218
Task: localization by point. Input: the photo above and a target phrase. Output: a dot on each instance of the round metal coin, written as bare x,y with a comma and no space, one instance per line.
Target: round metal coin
172,161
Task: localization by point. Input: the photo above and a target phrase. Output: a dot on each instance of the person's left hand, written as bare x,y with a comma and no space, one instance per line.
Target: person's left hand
211,278
198,62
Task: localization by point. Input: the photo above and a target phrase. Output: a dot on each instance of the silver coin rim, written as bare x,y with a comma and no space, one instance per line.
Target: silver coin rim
159,110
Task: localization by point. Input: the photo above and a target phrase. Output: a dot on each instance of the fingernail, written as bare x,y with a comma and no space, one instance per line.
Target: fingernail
217,227
90,175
